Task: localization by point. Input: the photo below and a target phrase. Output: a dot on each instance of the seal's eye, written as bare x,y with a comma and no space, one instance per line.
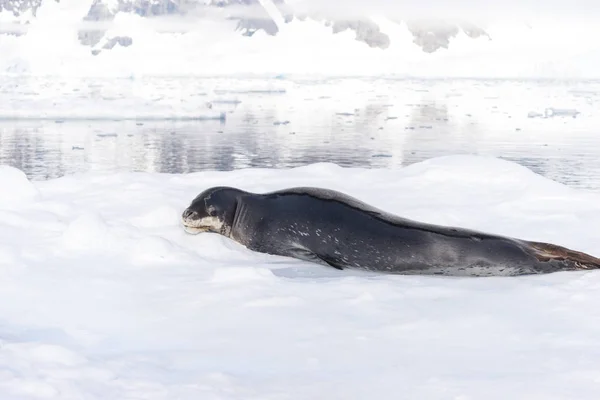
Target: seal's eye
211,211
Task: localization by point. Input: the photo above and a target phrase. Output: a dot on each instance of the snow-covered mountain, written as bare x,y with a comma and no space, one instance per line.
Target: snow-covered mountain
18,7
291,37
250,15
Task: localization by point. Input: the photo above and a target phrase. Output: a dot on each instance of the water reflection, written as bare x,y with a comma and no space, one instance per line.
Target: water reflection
271,129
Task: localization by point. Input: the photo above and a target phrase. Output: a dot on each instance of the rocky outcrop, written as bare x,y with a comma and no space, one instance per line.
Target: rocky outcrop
366,31
99,11
433,35
18,7
124,41
102,11
261,20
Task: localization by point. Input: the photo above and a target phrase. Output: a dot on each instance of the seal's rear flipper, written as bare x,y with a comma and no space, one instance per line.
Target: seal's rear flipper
308,255
572,260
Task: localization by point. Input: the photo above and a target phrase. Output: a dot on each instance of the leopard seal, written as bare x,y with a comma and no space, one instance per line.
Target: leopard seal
334,229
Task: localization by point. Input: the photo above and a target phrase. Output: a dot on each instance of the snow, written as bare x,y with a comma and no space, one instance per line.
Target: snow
103,295
533,45
21,189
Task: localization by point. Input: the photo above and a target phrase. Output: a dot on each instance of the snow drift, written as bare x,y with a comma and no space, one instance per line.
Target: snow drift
103,295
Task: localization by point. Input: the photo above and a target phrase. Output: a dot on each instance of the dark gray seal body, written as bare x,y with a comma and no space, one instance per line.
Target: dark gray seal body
331,228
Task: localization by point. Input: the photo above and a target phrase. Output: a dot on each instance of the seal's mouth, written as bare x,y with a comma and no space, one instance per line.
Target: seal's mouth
194,230
194,225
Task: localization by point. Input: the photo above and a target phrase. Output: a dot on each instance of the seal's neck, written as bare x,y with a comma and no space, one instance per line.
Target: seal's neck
243,226
229,198
229,222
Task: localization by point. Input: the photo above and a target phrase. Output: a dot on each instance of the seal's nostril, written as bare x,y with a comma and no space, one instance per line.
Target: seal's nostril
188,213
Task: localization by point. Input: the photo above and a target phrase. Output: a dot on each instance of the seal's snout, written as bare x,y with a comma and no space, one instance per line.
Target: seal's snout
191,222
189,214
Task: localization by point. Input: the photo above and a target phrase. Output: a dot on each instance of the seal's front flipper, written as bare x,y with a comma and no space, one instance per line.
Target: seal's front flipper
307,255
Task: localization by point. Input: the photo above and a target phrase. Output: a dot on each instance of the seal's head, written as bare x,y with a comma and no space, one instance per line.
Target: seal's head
213,210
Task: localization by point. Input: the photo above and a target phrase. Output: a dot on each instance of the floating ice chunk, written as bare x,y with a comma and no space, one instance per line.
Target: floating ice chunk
535,114
560,112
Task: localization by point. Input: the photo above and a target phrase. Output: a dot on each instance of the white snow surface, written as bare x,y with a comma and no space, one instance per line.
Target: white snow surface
534,45
103,295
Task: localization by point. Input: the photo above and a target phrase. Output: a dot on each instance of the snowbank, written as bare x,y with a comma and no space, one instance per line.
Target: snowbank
102,294
16,189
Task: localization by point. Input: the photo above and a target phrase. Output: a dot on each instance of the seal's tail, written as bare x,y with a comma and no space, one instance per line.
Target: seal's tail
570,259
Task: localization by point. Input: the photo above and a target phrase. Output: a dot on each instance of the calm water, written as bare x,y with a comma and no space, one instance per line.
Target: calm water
49,129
